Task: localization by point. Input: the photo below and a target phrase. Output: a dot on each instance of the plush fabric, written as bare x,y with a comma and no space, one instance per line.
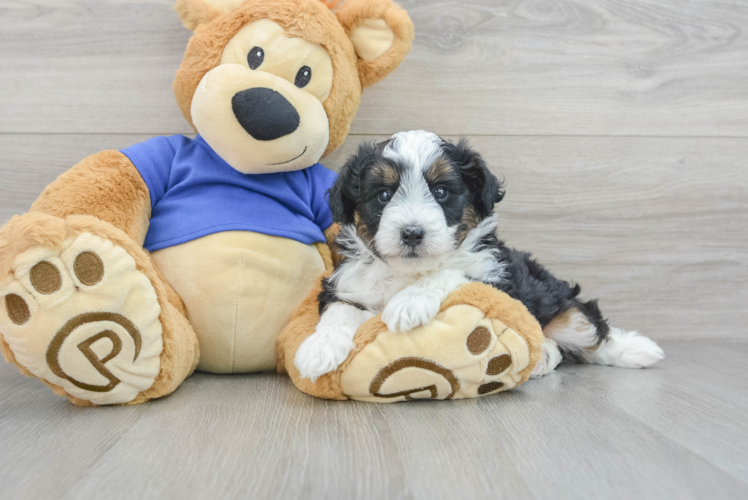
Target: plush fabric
87,346
240,298
311,21
372,38
481,342
260,122
194,193
105,185
25,235
355,13
314,22
279,50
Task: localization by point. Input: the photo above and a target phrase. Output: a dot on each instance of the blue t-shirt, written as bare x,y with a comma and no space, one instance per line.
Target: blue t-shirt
195,193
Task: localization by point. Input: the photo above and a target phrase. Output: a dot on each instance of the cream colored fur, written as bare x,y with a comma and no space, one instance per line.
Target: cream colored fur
372,38
135,299
242,296
443,342
213,114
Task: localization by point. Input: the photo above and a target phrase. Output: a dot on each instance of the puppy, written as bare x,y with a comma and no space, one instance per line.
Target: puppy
417,222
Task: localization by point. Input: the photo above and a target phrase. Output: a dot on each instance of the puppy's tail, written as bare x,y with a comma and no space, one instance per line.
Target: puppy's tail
583,336
626,350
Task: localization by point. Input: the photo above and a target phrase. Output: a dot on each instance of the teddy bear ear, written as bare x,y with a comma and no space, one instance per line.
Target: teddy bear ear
193,13
381,33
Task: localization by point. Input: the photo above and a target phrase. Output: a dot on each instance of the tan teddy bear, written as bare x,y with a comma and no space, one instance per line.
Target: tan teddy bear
138,266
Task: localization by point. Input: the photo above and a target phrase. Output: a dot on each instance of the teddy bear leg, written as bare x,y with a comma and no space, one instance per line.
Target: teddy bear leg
463,353
85,310
480,343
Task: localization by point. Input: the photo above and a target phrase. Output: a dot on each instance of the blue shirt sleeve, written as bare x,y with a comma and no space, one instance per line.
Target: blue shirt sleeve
321,179
154,159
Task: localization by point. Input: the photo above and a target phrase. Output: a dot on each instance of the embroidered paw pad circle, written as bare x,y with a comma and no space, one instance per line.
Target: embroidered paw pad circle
83,317
461,354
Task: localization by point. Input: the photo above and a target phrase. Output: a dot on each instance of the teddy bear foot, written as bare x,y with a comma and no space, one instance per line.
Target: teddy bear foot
84,309
80,316
481,342
477,356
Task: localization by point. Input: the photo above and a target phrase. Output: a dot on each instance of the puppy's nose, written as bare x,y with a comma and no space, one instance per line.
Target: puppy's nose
264,113
412,236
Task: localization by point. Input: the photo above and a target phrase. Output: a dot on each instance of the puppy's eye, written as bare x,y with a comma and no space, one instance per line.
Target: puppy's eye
440,193
303,77
255,57
384,195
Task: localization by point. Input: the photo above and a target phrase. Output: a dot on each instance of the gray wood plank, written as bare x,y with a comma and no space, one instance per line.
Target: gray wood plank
584,432
716,404
634,67
90,66
655,227
49,444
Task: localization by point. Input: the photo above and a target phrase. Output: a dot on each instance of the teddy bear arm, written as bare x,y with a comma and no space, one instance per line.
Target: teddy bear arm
105,185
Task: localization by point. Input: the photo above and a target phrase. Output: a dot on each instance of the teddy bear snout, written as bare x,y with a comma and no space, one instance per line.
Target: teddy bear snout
264,113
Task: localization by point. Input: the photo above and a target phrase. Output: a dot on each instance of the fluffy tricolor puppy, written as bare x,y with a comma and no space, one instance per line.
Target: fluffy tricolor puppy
417,222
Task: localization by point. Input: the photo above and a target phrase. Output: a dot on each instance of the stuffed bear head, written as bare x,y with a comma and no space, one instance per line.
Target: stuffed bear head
273,85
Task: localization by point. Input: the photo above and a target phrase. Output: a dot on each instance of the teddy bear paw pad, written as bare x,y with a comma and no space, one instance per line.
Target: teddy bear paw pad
461,354
84,318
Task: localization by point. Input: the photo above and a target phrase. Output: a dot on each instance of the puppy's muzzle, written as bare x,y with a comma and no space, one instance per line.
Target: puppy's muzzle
264,113
412,236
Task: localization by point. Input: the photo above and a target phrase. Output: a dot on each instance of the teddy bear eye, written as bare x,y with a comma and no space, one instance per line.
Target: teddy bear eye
303,77
255,57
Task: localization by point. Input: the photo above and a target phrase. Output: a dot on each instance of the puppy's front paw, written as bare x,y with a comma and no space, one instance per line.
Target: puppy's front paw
320,354
550,358
410,308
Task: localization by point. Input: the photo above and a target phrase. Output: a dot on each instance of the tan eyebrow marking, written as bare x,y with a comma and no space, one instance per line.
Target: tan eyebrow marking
386,173
438,170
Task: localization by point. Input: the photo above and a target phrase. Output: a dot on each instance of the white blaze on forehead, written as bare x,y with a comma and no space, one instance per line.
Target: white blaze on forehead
412,203
416,149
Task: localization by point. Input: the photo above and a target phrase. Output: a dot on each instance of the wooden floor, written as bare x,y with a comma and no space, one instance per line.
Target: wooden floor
621,128
675,431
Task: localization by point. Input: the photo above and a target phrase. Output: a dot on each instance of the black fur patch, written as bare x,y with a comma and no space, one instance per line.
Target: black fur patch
344,194
486,189
544,295
327,296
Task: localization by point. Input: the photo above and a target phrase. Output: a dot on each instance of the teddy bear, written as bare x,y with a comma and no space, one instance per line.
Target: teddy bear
137,267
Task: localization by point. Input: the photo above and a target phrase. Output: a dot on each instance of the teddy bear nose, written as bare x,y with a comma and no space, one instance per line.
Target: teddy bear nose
264,113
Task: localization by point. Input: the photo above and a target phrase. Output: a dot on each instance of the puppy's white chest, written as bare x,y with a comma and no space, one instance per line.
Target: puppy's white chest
372,287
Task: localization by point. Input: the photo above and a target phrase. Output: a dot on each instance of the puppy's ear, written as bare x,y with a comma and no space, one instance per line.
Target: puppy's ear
342,204
486,189
344,193
381,33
